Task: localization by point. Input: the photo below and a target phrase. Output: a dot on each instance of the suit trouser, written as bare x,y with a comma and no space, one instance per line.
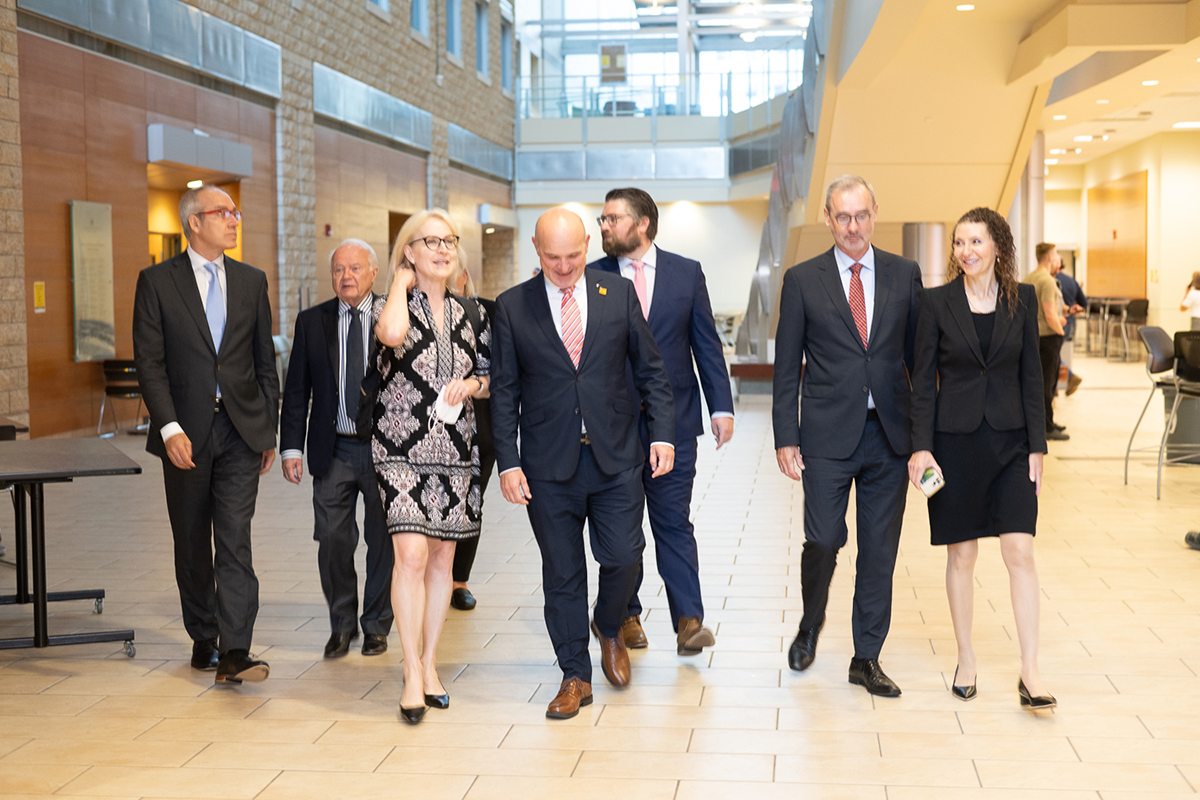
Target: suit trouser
1049,348
612,507
669,504
465,549
335,500
212,504
880,479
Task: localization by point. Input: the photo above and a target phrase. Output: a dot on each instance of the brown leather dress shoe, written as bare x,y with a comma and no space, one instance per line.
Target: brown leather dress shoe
614,658
572,694
693,637
632,633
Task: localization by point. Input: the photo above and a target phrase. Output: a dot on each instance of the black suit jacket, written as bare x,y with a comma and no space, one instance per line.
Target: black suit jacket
313,373
1003,385
681,321
816,329
536,390
178,367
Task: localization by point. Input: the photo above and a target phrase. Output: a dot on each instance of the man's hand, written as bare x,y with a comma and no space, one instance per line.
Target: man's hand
293,469
662,459
722,428
791,463
268,458
179,450
515,488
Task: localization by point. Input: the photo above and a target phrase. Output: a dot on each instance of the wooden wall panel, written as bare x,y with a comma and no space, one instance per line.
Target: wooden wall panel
1117,237
83,133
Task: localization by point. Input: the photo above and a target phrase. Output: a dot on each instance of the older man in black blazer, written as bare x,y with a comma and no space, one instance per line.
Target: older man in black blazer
332,350
206,366
849,317
562,341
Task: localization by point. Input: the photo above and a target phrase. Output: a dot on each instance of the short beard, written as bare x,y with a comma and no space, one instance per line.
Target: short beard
617,248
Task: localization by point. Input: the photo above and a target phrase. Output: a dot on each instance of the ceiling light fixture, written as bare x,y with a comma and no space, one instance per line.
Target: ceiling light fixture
748,37
1050,162
1058,151
1060,117
1104,138
1084,138
195,184
1187,126
1149,83
964,7
1101,102
1078,150
489,230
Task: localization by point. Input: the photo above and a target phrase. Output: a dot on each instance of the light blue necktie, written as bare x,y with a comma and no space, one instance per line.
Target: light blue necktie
214,308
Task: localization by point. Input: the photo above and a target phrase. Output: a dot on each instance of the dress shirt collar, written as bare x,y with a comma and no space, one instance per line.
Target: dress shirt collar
845,262
198,261
649,259
363,307
555,294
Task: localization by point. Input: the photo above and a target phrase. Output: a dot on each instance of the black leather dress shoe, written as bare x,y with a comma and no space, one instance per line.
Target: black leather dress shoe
1043,702
962,692
374,644
339,644
437,700
867,673
204,655
413,715
236,666
462,599
803,649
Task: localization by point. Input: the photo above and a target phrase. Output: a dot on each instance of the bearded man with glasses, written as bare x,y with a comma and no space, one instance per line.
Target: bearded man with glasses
206,367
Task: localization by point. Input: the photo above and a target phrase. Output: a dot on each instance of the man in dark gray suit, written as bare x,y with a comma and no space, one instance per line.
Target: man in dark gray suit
206,365
848,317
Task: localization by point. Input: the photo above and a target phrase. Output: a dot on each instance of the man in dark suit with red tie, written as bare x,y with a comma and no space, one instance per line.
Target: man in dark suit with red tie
848,317
674,298
206,367
561,344
332,350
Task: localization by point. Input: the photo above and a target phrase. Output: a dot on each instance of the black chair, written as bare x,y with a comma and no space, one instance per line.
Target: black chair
120,383
1160,362
1133,313
1186,384
1094,327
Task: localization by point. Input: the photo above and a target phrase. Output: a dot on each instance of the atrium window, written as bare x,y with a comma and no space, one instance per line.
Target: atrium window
380,4
420,16
454,28
506,56
481,38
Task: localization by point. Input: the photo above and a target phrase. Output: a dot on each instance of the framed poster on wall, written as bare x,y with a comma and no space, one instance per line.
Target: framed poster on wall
92,276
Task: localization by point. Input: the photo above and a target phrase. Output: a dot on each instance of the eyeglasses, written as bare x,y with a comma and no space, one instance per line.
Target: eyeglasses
862,218
433,242
225,213
609,219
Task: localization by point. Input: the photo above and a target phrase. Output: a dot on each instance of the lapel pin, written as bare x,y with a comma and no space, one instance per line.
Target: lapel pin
601,289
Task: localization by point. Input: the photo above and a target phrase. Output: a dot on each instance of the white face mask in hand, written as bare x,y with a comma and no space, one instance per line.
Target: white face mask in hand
446,413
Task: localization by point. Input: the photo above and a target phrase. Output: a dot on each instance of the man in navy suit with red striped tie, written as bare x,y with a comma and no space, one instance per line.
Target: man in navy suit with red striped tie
674,299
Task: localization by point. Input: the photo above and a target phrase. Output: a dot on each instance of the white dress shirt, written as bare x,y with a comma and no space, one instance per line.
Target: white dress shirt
867,276
202,281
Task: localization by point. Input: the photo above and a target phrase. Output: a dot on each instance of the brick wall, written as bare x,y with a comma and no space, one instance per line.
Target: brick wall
14,372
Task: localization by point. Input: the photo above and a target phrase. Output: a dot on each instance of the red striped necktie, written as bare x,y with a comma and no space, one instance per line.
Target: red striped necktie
572,327
858,302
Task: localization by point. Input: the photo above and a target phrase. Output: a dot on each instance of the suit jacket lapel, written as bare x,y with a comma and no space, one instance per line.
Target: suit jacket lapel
539,307
237,295
329,321
833,285
1004,320
185,282
883,285
956,298
595,308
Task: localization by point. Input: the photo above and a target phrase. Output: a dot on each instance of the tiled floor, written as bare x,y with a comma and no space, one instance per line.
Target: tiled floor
1120,618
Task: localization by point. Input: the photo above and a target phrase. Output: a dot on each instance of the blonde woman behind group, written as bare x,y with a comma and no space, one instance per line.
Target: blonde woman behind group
428,468
1191,301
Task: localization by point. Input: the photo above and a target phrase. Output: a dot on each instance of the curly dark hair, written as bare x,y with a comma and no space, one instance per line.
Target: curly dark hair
1006,252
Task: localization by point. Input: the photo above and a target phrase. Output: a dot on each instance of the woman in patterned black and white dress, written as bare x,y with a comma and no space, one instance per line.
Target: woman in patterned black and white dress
428,470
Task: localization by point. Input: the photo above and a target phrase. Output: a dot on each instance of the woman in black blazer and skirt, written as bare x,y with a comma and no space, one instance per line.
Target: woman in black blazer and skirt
978,420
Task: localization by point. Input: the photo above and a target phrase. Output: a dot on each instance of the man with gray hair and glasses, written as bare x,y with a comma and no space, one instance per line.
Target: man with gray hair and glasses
332,350
206,367
848,317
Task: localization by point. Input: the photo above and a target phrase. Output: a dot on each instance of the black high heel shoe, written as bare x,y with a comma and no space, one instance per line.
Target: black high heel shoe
437,700
1039,703
413,715
962,692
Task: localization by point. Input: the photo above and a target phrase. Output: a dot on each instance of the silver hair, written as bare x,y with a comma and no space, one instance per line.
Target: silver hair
846,183
361,245
190,205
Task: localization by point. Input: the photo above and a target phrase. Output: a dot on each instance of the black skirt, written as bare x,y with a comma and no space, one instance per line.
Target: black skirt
987,491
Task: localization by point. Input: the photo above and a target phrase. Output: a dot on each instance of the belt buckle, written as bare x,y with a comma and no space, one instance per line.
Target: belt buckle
583,439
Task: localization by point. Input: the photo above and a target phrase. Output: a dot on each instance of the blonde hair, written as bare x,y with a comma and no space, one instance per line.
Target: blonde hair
408,234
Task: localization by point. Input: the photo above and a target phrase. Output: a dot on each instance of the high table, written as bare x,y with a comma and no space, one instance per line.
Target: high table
28,466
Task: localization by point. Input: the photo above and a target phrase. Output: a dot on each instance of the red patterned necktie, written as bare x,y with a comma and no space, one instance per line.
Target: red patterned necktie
572,328
858,303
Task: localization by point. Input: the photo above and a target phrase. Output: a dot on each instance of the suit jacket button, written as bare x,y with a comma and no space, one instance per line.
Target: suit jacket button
983,371
865,389
577,412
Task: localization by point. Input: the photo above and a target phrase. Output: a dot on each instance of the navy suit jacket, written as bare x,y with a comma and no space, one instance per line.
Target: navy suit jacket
313,373
816,329
681,321
536,390
178,367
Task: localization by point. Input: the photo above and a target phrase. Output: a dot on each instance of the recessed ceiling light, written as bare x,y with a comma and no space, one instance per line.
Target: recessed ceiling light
195,184
1104,137
1187,125
489,230
965,7
1149,83
1105,102
749,37
1060,116
1058,151
1078,150
1051,162
1084,138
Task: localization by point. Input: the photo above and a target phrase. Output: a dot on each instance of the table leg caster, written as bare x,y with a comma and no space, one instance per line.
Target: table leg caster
130,650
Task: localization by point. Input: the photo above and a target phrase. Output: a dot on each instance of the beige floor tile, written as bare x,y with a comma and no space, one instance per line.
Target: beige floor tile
889,771
34,704
161,782
104,752
1140,751
1148,778
807,743
290,756
365,786
35,778
1054,723
736,790
395,732
678,766
488,787
933,745
551,736
891,720
481,761
115,729
211,705
235,730
963,793
686,717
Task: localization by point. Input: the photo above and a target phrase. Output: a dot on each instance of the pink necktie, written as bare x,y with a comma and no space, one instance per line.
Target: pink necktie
572,329
858,303
639,286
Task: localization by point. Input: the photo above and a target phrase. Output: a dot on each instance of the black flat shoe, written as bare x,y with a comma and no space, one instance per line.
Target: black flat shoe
237,666
437,700
339,644
413,715
867,673
962,692
1040,703
462,599
204,655
374,644
804,648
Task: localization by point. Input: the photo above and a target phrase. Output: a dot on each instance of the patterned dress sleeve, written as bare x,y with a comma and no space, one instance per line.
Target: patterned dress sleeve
483,347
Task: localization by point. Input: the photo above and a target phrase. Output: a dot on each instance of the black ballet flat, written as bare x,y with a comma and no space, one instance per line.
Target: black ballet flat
437,700
963,693
413,715
1039,703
